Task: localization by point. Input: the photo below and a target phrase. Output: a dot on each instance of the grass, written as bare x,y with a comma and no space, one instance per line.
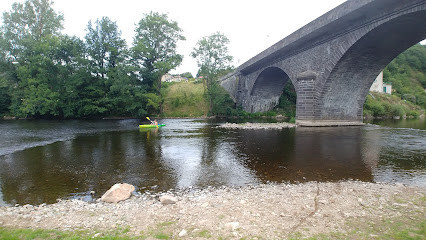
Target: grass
184,99
397,229
12,234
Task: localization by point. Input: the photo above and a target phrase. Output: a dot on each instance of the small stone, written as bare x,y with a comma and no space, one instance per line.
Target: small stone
168,199
183,233
361,202
232,225
96,235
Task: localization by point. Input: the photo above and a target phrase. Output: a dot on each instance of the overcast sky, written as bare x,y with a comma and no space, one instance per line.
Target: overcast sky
251,25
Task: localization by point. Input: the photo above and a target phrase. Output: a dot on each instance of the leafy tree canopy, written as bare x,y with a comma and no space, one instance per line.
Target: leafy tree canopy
212,55
105,46
154,47
32,20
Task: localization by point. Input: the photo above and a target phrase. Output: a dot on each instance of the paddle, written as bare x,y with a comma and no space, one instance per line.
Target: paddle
152,122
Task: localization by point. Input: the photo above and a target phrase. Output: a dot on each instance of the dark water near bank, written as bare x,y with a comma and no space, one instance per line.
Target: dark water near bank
41,161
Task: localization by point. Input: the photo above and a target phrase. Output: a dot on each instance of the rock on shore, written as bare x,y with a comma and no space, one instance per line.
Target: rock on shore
272,211
118,192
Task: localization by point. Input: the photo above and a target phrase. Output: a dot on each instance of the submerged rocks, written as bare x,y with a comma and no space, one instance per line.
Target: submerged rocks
257,125
118,192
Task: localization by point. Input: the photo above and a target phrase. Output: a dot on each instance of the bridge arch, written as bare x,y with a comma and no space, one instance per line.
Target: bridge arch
267,89
345,89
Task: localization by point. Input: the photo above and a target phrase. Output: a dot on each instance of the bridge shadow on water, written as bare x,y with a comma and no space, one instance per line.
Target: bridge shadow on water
310,154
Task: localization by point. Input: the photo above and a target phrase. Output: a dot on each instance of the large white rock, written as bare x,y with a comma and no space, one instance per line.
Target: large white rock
118,192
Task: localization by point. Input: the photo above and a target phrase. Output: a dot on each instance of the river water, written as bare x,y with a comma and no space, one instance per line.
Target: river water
42,161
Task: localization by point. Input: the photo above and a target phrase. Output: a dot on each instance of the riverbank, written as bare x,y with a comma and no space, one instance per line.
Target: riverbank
356,210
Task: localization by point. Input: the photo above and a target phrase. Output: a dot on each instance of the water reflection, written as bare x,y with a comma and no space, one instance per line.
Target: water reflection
196,153
310,154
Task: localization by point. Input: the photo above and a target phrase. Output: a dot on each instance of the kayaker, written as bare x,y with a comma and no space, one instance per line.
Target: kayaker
154,122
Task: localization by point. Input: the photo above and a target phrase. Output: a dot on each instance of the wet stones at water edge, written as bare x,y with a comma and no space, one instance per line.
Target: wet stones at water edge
118,192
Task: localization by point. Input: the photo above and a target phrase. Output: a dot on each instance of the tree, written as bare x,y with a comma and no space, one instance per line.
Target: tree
28,22
4,94
105,47
187,75
106,51
213,60
30,36
154,48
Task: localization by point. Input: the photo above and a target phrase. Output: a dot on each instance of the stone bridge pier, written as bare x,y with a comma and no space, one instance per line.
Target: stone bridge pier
331,62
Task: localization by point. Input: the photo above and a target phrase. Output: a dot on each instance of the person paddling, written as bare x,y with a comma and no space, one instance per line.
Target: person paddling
153,122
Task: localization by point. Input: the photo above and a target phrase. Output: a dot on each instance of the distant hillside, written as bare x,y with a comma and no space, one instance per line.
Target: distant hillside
379,105
407,75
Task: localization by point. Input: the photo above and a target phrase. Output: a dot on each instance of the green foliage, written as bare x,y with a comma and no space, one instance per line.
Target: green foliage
214,61
119,234
184,99
212,56
104,46
287,101
47,75
44,74
407,75
5,98
187,75
154,48
152,101
380,105
221,103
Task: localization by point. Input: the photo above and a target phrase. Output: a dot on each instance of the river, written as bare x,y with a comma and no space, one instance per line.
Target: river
42,161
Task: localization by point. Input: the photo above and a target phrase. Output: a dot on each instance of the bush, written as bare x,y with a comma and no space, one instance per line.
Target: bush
413,114
409,97
397,110
377,109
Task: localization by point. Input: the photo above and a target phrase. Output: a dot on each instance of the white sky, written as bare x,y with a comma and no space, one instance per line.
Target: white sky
251,25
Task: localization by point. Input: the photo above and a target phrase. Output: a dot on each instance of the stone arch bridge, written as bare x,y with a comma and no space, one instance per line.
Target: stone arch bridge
331,62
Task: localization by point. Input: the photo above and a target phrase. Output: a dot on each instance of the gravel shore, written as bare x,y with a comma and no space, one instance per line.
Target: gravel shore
269,211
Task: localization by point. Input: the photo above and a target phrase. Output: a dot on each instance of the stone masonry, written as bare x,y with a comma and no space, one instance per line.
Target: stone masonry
331,61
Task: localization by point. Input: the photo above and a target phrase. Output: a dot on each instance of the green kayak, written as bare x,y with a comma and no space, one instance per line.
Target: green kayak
151,126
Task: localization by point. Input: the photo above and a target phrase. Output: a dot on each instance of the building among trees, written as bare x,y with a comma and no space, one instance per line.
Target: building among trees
172,78
380,86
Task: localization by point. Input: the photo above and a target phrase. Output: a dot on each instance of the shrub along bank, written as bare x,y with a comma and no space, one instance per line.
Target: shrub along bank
380,105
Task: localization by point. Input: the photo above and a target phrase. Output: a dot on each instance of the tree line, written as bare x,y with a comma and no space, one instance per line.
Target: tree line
46,74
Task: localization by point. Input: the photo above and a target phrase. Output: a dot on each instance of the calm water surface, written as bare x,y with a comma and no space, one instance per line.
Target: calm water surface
41,161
